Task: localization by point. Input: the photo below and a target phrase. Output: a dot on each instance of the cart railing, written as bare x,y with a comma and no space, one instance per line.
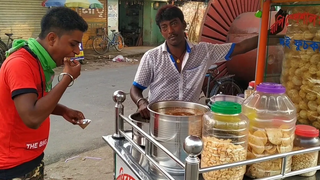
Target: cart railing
193,147
128,138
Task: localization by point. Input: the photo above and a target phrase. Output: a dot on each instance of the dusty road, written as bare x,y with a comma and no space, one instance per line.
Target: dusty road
91,94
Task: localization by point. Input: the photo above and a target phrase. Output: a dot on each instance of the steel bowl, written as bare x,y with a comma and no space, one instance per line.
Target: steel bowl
143,124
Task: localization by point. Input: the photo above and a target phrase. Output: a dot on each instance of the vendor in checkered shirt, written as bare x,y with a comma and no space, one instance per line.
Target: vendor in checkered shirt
175,70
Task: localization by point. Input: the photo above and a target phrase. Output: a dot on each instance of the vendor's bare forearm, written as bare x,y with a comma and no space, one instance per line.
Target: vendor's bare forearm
135,93
245,46
252,43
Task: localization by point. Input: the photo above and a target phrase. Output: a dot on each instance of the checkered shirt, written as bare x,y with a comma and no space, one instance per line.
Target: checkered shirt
157,70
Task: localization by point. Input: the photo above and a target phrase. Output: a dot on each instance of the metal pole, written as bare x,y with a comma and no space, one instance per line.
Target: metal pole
208,85
263,39
284,165
193,147
192,168
258,160
118,97
154,142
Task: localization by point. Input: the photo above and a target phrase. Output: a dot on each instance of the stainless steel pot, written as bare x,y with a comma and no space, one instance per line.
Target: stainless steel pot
171,130
143,124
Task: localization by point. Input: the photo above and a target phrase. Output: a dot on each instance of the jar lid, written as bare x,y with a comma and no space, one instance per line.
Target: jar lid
251,83
306,131
226,107
272,88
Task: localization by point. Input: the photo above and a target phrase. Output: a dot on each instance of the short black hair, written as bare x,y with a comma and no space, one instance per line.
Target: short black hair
61,20
168,12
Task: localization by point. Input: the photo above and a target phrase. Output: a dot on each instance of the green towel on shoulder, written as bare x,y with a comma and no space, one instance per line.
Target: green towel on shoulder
44,57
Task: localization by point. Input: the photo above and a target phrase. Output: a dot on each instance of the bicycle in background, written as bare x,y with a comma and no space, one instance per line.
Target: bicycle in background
2,57
89,43
3,50
7,45
102,43
4,47
219,83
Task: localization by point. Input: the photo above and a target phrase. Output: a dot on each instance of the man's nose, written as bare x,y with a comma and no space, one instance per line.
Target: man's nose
76,50
170,29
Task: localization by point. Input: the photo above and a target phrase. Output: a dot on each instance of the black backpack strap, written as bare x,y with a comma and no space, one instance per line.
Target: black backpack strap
27,48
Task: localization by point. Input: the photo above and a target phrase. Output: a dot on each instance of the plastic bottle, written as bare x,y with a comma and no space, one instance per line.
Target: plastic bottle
225,132
249,90
272,119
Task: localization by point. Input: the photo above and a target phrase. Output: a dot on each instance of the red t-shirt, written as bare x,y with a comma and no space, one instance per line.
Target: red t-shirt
21,73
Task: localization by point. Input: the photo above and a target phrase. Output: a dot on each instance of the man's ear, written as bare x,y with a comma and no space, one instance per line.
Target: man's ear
184,25
51,38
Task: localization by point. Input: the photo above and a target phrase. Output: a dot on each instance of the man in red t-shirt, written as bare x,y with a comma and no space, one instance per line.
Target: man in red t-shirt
26,94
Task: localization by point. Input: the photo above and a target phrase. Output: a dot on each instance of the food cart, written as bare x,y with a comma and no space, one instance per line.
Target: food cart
132,160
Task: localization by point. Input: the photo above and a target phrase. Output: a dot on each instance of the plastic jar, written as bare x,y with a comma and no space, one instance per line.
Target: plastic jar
224,134
306,137
249,90
272,119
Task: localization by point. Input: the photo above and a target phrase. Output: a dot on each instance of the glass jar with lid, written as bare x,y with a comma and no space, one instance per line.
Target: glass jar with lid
224,135
305,137
272,119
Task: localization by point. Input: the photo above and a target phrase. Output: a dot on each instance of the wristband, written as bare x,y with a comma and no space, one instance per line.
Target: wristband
137,103
71,77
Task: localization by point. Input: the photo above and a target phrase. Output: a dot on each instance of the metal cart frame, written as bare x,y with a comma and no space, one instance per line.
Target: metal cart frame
192,145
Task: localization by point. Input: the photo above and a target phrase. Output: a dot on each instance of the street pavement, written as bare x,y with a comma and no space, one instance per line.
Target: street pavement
126,52
81,154
92,94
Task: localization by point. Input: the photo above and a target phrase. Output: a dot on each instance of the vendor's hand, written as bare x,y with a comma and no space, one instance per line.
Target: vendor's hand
72,67
143,110
73,116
